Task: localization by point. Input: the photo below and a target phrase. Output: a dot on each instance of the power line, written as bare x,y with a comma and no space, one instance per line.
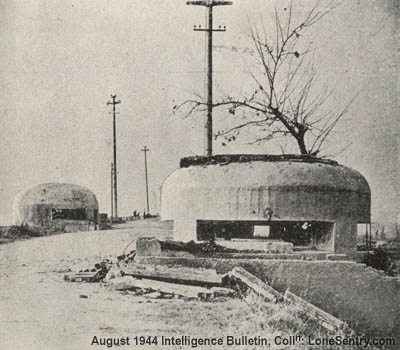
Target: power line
209,4
112,191
145,150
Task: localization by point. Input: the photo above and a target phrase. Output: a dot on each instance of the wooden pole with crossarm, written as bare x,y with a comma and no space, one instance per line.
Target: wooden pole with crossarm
114,102
209,4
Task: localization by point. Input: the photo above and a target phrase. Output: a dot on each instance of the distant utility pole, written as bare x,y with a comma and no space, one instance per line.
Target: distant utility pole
145,150
209,4
114,113
112,191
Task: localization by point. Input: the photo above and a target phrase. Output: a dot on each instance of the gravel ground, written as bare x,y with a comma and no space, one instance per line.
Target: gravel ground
39,310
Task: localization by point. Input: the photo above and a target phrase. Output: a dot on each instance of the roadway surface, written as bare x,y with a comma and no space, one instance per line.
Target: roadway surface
40,311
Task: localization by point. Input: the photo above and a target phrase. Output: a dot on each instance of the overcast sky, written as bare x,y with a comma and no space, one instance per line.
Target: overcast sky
61,60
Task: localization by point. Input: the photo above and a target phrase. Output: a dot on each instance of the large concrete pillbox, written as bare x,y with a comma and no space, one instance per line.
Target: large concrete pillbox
287,194
59,206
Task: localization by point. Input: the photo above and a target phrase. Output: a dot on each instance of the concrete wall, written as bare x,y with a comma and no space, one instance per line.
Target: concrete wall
345,235
365,298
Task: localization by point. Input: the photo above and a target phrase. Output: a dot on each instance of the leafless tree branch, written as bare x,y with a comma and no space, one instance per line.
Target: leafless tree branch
285,96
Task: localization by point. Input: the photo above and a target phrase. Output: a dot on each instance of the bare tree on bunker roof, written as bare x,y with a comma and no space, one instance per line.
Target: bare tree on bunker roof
284,98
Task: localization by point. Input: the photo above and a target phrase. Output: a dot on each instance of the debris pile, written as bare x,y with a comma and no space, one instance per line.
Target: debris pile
155,281
162,281
96,274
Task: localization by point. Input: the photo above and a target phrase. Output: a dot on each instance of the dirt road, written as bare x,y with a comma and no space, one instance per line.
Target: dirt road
39,310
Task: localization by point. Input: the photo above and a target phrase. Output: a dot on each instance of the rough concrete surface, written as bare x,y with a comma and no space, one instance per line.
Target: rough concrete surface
268,191
267,246
34,206
365,298
148,246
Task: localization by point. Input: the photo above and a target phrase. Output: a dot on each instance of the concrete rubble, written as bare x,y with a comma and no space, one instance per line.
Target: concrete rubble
152,281
158,281
205,283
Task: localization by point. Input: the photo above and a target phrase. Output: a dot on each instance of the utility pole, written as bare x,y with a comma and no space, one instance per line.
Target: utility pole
112,192
209,4
114,113
145,150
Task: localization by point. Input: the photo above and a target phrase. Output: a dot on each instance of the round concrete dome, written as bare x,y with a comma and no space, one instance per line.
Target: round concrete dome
45,202
259,190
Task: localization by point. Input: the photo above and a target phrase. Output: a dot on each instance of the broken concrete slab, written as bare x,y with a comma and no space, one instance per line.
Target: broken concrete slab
148,246
267,246
325,319
129,282
243,277
268,293
180,275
